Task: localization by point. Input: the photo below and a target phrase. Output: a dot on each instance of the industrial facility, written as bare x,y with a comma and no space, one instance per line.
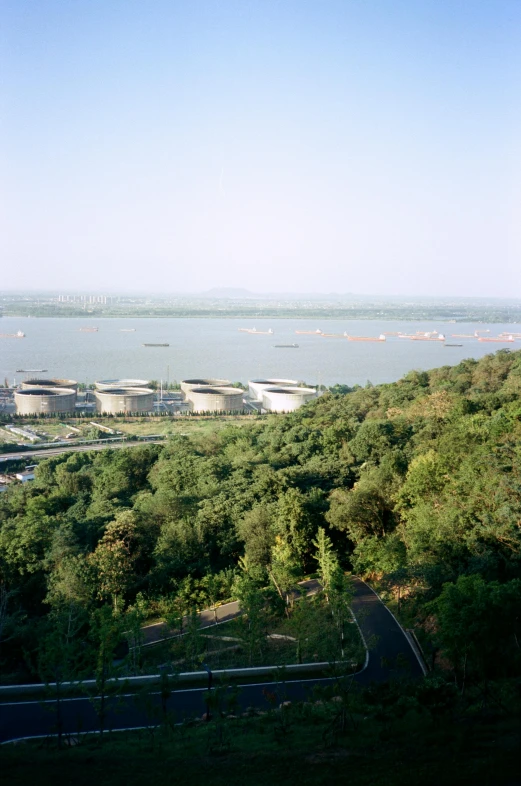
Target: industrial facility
44,401
38,396
115,401
257,386
286,399
216,399
187,385
49,383
109,384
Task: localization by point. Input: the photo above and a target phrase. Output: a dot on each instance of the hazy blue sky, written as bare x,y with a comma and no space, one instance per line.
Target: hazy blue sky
360,145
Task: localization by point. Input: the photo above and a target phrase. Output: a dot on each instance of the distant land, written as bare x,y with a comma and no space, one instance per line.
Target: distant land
236,302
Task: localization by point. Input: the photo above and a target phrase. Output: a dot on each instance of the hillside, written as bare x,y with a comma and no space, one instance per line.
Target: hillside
416,483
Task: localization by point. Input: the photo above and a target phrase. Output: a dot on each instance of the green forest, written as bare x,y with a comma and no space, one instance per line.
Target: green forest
415,484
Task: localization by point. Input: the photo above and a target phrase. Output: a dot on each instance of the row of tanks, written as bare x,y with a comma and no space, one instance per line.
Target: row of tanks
117,396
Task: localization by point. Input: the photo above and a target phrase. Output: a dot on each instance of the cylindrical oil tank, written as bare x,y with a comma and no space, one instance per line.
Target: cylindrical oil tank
216,399
188,385
286,399
109,384
257,386
49,383
44,401
116,401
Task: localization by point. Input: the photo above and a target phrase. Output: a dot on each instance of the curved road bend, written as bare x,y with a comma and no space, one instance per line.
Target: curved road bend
390,655
159,631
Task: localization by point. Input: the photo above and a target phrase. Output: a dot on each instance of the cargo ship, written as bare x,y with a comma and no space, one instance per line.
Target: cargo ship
332,335
499,340
316,332
18,334
256,332
156,345
89,330
127,330
463,335
31,370
453,345
439,337
381,337
285,346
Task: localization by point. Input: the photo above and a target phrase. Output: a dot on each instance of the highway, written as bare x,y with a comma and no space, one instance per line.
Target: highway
46,452
389,655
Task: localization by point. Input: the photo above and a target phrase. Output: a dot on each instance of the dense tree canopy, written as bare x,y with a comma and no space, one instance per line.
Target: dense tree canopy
421,476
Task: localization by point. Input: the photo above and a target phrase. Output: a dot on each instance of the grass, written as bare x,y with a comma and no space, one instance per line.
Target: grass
299,745
177,425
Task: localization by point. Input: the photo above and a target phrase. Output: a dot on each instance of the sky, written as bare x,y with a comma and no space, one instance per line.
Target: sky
365,146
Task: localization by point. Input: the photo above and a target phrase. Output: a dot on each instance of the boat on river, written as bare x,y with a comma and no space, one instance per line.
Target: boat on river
255,332
18,334
381,337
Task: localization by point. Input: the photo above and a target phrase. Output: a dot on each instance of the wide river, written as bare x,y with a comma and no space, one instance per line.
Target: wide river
216,348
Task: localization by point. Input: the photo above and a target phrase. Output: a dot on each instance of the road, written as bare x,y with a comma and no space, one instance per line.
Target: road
390,655
158,632
46,452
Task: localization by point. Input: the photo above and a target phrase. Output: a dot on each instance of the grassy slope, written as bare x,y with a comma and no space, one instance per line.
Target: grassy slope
256,752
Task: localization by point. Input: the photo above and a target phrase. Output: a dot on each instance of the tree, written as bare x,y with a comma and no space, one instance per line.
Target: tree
474,618
283,569
114,557
327,560
60,656
106,636
252,622
340,598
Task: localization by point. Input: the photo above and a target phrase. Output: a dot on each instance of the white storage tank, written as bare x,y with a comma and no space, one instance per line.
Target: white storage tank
257,386
108,384
49,383
216,399
44,401
286,399
187,385
116,401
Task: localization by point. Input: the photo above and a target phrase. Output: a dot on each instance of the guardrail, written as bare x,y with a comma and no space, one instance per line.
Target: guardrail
186,676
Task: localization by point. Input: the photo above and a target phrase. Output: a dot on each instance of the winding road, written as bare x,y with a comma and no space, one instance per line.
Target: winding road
390,655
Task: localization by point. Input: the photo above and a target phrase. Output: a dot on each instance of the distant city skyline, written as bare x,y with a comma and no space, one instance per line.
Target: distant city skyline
328,148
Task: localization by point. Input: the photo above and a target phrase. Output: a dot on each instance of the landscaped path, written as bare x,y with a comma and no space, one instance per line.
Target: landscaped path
390,655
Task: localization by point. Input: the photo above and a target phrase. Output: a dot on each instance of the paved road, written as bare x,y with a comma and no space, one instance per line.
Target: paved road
76,449
155,634
390,655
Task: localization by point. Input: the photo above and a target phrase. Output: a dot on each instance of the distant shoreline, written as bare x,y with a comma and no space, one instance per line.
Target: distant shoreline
323,315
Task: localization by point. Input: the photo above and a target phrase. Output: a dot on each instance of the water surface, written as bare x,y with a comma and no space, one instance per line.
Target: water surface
216,348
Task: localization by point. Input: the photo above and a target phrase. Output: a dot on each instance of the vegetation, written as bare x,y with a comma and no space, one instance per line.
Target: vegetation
258,307
398,736
416,484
